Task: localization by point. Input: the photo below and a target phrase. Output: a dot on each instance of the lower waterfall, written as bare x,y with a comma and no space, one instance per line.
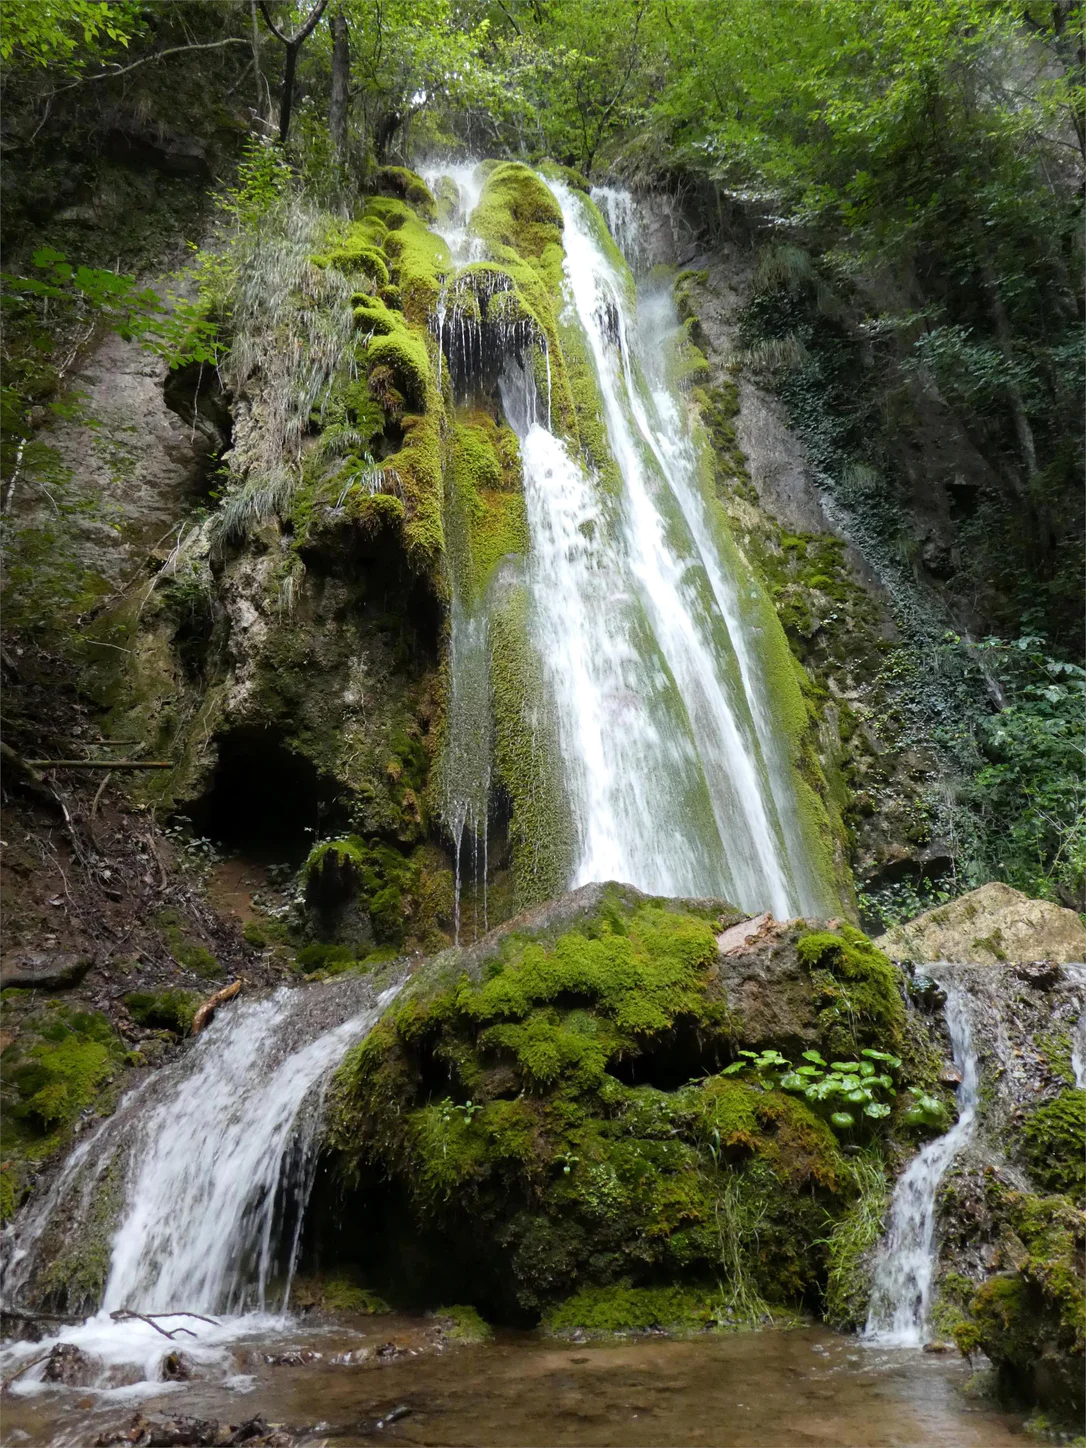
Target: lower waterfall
216,1155
901,1294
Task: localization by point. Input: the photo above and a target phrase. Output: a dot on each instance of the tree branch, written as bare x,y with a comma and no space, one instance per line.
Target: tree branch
271,23
158,55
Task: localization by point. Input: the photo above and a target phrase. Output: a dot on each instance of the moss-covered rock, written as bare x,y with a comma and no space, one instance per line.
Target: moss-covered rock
1030,1317
169,1010
1054,1144
551,1111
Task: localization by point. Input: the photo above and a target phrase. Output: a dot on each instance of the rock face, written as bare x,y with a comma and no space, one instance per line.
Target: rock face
1011,1225
989,925
43,969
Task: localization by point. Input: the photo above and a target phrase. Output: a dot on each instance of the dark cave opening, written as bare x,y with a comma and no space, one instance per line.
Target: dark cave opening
266,801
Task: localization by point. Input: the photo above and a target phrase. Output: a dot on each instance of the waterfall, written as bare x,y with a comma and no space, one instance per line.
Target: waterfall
217,1153
644,619
901,1296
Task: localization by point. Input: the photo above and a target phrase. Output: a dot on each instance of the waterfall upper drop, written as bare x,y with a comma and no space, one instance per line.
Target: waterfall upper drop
662,663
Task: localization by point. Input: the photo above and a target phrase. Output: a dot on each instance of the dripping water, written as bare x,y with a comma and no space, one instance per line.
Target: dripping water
905,1270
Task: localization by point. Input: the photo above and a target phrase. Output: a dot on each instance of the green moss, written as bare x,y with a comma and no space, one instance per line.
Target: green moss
489,522
1031,1320
410,187
254,933
463,1324
527,757
1054,1144
625,1309
853,1242
341,1295
384,882
499,1104
170,1010
58,1066
859,991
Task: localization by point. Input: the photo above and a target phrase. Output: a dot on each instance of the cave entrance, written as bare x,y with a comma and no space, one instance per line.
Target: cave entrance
265,801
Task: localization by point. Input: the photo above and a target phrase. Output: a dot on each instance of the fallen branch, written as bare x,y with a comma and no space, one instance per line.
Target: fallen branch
204,1013
25,1368
101,763
124,1314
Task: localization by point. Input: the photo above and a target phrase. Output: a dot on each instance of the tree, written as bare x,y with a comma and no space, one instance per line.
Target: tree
293,44
341,81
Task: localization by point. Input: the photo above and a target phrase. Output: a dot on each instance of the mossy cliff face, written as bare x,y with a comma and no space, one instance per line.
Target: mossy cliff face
300,633
551,1117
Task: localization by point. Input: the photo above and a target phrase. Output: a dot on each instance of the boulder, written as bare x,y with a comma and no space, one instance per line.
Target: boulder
990,925
43,969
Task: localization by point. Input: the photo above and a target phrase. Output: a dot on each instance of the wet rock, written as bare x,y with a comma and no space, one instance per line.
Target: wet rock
994,924
160,1431
43,969
388,1350
176,1368
71,1366
295,1358
1040,974
928,994
939,1347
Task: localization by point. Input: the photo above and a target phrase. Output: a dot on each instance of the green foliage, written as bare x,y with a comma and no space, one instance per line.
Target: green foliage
66,34
1030,793
846,1091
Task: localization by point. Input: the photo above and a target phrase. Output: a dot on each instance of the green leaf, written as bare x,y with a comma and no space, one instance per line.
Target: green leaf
813,1056
876,1109
842,1119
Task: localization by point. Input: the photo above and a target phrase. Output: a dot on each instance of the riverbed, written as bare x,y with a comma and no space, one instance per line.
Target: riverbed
349,1383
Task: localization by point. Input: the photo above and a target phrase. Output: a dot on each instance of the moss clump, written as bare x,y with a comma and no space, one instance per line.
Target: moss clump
325,957
187,952
516,1112
858,988
169,1010
395,890
463,1324
626,1309
408,186
58,1066
1054,1144
492,522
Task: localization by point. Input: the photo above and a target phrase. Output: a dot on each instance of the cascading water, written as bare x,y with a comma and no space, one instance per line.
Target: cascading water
677,773
217,1153
901,1295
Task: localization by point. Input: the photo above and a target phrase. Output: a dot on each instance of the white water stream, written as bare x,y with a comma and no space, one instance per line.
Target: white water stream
216,1154
901,1295
675,768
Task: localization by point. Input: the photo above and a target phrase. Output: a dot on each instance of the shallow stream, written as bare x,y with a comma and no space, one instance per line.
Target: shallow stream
804,1386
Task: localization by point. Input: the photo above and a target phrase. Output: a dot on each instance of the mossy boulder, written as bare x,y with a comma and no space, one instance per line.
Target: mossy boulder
550,1113
1029,1318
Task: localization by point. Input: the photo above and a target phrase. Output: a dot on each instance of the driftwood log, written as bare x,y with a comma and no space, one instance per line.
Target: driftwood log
205,1012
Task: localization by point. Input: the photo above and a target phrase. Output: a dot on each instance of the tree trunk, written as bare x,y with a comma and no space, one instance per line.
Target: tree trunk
341,74
286,98
386,128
